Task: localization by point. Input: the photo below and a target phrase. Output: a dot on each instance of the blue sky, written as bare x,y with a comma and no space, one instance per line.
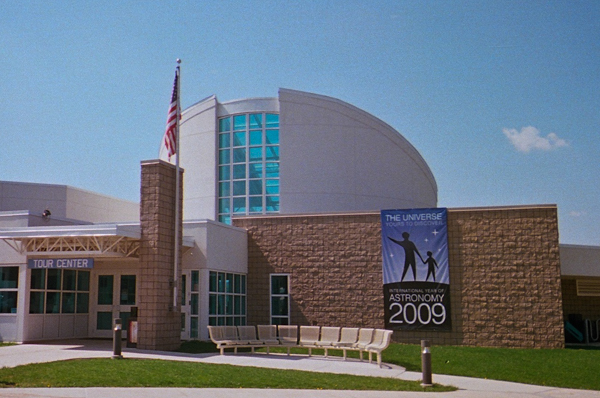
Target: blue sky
501,98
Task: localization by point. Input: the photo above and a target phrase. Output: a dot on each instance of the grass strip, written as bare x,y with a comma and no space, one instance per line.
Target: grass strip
567,368
160,373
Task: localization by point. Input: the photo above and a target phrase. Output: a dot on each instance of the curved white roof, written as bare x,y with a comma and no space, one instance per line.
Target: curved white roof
334,157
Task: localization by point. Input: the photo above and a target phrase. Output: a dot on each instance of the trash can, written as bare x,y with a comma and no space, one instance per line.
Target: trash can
132,329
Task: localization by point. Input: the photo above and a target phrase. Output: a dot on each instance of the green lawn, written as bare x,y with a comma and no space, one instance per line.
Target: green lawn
568,368
159,373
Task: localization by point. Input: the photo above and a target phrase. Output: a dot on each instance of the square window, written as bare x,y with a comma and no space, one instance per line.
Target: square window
273,137
224,141
224,205
239,138
38,280
239,122
68,303
36,302
104,321
224,156
83,281
255,204
239,171
127,296
224,189
256,137
221,282
212,282
279,284
255,170
255,154
225,219
239,188
194,327
256,120
195,281
54,279
272,187
69,279
272,120
272,153
53,303
225,124
239,205
237,281
272,203
83,301
8,302
239,155
224,173
105,289
229,283
272,170
255,187
9,277
212,304
279,306
194,304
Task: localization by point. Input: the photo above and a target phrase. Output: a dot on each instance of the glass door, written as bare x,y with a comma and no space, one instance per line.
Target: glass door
190,281
115,295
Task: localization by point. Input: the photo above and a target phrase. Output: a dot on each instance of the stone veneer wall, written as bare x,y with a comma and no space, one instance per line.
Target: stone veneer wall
504,274
159,325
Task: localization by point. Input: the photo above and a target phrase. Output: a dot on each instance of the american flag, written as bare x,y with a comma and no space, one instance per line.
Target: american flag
171,130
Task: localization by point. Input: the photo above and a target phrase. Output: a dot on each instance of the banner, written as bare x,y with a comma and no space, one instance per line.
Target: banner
416,275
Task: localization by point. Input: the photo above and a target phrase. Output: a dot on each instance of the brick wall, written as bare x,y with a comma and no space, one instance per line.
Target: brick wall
159,326
504,274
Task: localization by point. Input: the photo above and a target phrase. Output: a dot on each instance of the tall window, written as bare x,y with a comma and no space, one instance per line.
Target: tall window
56,291
9,283
280,299
248,165
226,299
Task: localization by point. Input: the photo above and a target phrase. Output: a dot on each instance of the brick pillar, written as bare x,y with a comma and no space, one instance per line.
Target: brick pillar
159,324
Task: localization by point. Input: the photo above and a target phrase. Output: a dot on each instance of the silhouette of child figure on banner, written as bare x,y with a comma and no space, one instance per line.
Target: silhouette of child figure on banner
432,265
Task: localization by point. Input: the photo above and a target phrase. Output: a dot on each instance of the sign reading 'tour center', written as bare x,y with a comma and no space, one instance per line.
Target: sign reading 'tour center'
63,263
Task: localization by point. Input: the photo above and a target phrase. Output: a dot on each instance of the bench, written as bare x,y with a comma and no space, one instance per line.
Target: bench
369,340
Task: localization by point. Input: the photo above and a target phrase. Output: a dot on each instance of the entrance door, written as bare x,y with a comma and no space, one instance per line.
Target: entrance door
189,304
115,294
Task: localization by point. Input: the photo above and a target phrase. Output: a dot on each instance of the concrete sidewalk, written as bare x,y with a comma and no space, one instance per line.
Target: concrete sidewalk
48,352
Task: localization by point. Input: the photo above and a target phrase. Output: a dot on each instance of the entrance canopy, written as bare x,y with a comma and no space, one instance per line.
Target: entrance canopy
97,240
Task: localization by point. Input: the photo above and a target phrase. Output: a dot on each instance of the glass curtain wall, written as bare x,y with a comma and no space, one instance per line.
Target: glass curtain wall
248,165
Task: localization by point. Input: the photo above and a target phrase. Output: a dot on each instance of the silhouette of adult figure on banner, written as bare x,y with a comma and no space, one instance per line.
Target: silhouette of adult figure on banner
409,254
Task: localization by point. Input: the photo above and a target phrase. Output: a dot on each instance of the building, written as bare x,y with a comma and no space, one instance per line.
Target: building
281,200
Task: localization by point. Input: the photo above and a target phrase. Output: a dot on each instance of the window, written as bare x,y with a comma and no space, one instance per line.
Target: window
248,173
9,283
226,299
194,303
56,291
280,299
127,290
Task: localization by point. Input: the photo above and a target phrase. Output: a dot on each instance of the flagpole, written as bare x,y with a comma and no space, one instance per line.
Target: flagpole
176,276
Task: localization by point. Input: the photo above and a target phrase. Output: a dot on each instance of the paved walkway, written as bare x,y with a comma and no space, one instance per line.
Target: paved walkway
47,352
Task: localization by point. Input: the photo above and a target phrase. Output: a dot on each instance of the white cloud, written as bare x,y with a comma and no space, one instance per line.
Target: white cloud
530,139
577,213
